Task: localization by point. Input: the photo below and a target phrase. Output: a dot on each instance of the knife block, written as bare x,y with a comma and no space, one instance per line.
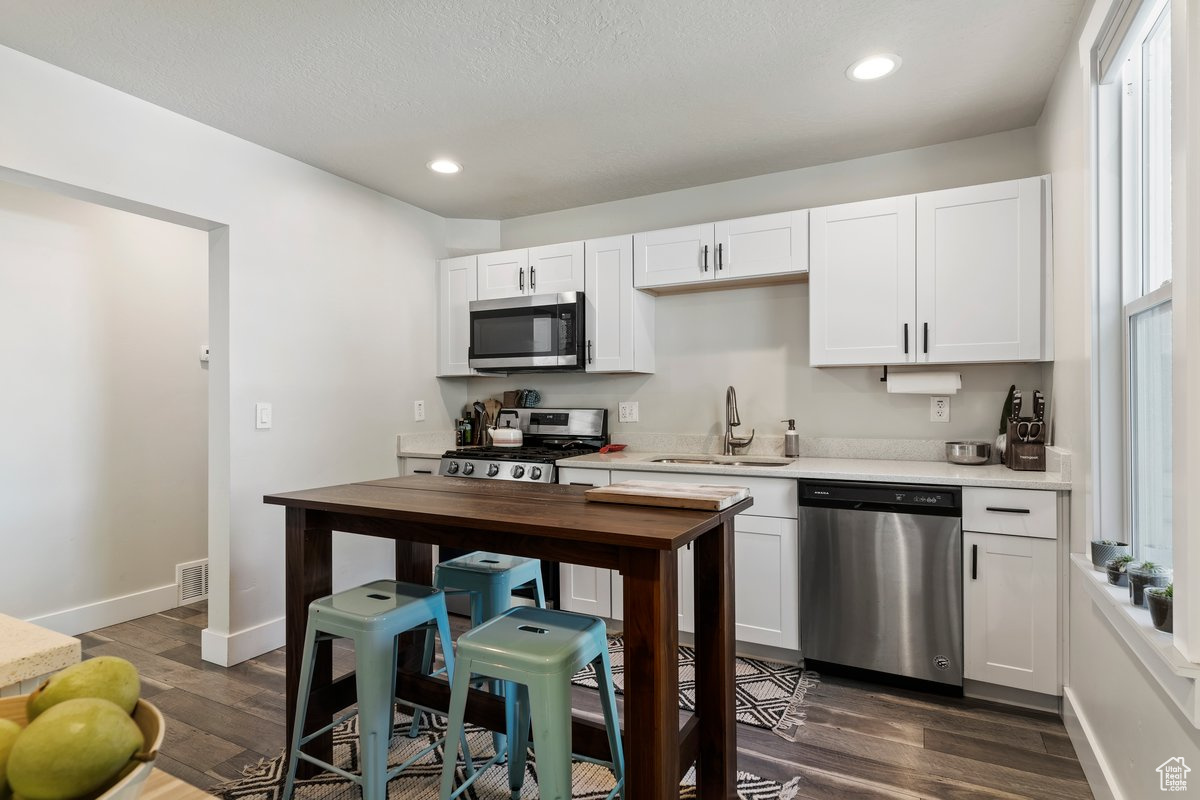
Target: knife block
1025,456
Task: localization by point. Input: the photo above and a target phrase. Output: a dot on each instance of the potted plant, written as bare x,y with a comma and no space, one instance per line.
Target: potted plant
1144,575
1162,612
1106,550
1116,570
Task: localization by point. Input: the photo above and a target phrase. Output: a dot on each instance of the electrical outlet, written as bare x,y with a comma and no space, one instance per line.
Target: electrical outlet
418,410
262,416
939,409
204,354
627,411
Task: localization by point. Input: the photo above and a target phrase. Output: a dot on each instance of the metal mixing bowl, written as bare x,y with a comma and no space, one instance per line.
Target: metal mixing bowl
968,452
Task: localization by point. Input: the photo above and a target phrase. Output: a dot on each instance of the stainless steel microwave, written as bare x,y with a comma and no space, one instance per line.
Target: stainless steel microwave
532,333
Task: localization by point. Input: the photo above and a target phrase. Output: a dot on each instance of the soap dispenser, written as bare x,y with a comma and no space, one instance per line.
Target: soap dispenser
791,439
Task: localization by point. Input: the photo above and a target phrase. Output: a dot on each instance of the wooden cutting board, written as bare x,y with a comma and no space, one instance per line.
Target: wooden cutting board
669,495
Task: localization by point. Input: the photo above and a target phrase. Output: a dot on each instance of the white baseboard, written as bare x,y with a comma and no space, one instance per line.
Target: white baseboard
227,649
1095,765
101,614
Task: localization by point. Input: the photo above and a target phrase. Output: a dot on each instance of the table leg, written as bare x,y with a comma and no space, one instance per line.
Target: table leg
715,663
414,564
308,576
651,675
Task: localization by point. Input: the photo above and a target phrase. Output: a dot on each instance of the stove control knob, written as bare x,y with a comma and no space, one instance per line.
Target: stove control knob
493,470
535,473
452,468
468,468
518,471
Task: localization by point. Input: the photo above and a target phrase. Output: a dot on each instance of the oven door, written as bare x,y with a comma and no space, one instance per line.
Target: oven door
533,333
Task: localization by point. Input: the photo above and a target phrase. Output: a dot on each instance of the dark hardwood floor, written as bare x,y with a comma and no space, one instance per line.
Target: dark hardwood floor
861,740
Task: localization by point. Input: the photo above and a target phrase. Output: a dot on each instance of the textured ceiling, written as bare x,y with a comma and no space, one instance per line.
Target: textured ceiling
561,103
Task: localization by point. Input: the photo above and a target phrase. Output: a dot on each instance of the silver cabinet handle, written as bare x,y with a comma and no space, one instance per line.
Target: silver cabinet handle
706,258
532,279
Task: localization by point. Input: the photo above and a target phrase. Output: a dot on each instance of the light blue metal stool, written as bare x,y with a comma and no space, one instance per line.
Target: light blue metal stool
372,616
489,579
536,651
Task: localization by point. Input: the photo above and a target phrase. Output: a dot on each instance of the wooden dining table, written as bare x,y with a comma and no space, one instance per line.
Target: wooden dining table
555,523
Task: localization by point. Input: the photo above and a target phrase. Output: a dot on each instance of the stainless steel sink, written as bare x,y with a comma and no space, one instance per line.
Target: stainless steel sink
723,462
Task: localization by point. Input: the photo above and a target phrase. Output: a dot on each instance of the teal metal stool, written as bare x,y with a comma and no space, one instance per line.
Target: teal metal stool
489,579
372,616
537,650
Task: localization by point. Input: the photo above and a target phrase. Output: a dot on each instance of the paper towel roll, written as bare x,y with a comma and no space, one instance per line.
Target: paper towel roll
924,382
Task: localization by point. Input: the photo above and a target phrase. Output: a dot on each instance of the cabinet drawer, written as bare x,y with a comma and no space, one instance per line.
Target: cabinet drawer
422,466
1016,512
773,497
584,477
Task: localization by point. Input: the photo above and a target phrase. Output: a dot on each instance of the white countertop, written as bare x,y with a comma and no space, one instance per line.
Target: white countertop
842,469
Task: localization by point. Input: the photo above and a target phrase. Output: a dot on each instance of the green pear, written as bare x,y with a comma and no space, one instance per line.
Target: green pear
109,677
8,735
76,747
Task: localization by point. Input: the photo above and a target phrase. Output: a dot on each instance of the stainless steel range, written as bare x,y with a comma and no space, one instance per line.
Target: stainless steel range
548,435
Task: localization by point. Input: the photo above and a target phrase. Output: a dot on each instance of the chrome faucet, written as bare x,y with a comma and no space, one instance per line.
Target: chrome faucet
732,420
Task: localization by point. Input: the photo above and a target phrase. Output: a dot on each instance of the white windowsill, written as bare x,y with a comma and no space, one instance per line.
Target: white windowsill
1155,649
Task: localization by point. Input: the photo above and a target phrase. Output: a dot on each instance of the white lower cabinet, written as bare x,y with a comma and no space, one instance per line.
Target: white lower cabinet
420,466
767,581
1010,611
766,562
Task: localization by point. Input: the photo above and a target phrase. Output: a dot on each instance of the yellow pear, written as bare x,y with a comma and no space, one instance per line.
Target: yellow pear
76,747
8,735
109,677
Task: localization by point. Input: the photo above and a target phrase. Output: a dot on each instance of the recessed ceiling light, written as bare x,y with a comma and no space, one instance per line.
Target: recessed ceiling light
445,166
873,67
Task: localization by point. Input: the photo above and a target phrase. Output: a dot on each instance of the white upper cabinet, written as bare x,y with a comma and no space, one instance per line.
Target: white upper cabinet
979,272
862,283
770,244
674,256
618,319
503,274
556,268
953,276
456,288
547,269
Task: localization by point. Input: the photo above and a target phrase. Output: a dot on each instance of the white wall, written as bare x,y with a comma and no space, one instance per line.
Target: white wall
104,463
320,302
1133,726
757,339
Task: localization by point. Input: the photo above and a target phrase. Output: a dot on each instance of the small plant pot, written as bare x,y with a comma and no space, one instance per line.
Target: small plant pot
1117,576
1103,553
1162,611
1140,581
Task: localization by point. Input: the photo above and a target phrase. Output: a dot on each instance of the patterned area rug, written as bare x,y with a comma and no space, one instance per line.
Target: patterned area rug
264,780
767,694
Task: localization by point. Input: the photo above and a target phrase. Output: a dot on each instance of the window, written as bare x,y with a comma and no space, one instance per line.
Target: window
1145,265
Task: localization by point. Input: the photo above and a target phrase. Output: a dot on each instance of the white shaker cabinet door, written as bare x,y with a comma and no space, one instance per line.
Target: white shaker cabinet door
587,590
456,288
770,244
980,277
619,320
555,268
1010,618
862,283
767,581
674,256
503,274
685,577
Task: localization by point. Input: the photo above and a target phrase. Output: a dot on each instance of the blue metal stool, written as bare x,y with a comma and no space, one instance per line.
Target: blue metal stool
373,616
489,579
538,650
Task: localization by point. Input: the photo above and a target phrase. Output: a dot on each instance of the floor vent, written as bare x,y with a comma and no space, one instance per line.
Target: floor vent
192,580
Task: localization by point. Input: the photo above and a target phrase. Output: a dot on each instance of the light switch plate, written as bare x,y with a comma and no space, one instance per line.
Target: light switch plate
262,416
627,411
939,409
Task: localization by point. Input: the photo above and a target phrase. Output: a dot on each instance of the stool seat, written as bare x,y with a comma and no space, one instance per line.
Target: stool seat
535,641
379,605
481,561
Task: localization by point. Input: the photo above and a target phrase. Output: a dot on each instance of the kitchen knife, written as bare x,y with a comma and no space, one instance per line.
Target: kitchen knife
1039,405
1016,412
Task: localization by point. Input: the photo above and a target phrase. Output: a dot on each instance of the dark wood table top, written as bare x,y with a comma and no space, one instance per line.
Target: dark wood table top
537,509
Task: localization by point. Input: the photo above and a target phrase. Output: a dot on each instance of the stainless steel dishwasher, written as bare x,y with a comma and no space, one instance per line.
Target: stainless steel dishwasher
881,578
